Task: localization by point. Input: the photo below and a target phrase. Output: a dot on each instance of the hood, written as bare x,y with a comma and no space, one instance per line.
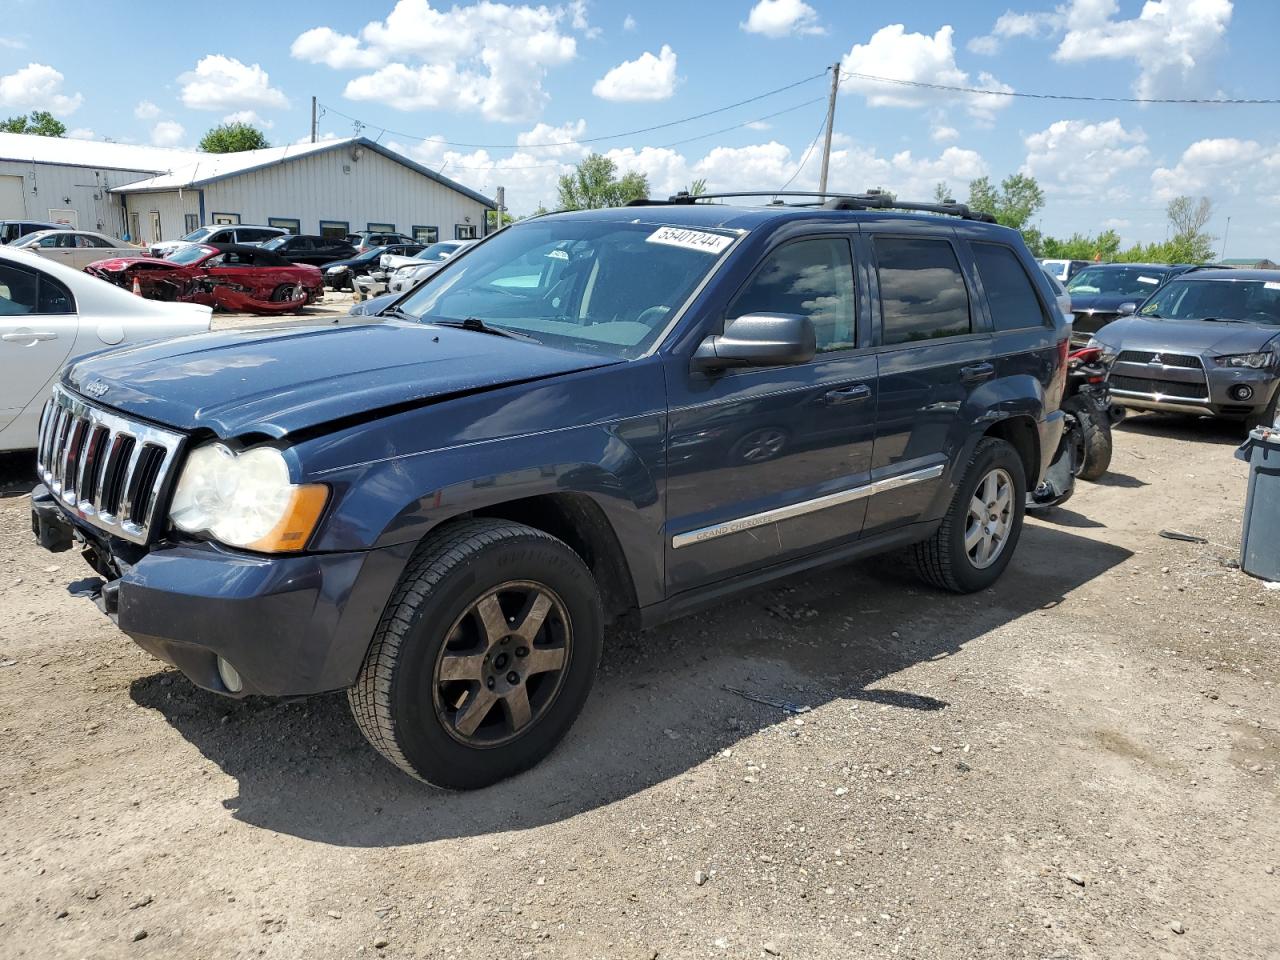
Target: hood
1212,337
1101,302
123,263
280,380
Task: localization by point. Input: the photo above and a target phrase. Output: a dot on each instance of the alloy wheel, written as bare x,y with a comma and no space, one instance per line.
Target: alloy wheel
990,518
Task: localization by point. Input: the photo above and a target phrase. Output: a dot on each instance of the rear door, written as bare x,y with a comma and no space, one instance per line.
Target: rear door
38,327
935,351
769,463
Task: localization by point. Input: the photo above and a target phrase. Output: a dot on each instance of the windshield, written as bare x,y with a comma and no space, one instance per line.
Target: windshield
200,234
188,254
588,285
1135,282
31,239
437,251
275,242
1257,301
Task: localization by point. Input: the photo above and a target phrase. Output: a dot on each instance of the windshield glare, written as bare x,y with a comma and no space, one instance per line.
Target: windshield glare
1256,301
588,285
437,251
275,242
1135,282
188,254
198,234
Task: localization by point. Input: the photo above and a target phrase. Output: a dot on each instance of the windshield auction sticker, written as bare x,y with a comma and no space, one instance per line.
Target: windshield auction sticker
690,239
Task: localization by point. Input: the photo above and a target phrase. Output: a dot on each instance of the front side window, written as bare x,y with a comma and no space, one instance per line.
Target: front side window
1013,301
811,278
1253,301
1135,282
922,292
602,287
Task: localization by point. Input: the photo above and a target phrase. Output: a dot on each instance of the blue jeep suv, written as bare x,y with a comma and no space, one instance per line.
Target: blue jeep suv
587,416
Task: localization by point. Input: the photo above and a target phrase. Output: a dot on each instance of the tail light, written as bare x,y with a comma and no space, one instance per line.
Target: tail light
1060,373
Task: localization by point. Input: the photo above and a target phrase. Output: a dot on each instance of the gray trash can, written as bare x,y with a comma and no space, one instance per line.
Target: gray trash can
1260,536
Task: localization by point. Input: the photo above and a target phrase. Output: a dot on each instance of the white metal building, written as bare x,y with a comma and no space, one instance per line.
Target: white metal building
148,194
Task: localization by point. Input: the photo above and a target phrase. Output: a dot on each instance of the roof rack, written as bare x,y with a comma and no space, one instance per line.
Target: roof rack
871,200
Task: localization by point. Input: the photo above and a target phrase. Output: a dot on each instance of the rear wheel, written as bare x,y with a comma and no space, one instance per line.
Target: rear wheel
1094,438
484,656
980,530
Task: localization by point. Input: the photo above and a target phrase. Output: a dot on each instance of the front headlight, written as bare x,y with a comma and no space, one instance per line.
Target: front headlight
1108,352
245,499
1254,361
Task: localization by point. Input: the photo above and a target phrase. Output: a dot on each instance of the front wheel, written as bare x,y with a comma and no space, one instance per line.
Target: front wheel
977,537
484,656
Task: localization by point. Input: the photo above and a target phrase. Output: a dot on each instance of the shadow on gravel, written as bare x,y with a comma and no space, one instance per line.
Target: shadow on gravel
1177,427
660,705
17,473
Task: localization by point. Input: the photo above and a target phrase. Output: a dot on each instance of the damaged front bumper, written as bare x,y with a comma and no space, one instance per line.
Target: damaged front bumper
289,625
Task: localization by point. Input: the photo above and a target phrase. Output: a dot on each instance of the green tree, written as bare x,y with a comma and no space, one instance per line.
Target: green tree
697,188
942,192
1014,203
233,138
42,123
595,183
1187,220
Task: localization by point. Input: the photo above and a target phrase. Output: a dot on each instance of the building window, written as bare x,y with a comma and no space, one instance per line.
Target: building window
288,224
426,234
190,222
382,228
464,231
226,218
335,228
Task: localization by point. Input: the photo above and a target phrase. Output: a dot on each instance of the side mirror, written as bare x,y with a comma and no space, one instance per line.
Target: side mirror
759,340
1128,309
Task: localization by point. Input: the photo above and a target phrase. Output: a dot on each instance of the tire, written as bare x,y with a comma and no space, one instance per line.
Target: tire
286,291
419,718
943,560
1095,438
1266,416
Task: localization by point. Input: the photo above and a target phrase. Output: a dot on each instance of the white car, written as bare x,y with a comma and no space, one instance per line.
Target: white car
51,314
403,273
75,248
219,233
1060,294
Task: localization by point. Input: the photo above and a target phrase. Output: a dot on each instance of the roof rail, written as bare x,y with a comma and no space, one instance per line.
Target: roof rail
871,200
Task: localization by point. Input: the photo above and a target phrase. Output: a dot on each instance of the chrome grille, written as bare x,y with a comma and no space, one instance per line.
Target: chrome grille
108,470
1164,388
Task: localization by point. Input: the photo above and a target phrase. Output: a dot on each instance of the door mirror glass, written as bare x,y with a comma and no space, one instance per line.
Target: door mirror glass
759,340
1128,308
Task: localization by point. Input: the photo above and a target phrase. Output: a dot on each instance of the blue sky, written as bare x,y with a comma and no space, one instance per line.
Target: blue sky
418,72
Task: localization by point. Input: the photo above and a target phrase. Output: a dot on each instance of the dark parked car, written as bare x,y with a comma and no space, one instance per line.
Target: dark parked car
589,417
1207,342
11,230
1100,292
315,250
340,274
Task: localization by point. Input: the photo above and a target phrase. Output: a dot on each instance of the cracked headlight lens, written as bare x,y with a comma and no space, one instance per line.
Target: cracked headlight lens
245,499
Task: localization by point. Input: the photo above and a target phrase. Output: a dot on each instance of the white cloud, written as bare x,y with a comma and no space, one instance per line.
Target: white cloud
919,58
224,83
1170,40
1077,157
645,78
857,168
146,110
944,134
628,22
1222,165
167,133
1012,24
490,58
249,117
37,86
781,18
12,43
759,125
81,133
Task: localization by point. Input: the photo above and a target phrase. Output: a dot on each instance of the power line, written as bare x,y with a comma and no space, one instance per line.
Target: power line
805,159
1051,96
611,136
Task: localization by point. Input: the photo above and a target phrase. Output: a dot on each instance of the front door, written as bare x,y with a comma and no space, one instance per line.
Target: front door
764,464
37,330
156,235
934,353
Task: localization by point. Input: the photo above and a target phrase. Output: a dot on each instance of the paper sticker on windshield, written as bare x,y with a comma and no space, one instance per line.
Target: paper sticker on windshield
1148,280
558,255
690,239
1271,285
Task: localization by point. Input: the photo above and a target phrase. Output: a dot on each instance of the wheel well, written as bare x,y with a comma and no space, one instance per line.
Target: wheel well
578,521
1022,435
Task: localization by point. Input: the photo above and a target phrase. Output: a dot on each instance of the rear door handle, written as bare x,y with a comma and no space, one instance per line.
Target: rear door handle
979,371
23,336
850,394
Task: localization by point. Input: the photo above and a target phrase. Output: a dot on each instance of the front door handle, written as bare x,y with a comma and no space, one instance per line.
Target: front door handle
979,371
22,336
850,394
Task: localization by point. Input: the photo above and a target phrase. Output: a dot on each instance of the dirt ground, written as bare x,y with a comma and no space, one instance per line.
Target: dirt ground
1079,763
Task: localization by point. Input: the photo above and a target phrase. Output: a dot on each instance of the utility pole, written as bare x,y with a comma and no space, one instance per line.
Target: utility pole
500,195
831,117
315,121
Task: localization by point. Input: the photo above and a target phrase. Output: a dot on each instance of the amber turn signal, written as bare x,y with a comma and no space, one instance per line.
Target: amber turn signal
297,522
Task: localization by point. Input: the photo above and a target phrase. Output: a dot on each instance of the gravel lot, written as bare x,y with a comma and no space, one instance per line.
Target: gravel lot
1080,763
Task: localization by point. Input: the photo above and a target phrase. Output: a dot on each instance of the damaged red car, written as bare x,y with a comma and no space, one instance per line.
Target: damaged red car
229,275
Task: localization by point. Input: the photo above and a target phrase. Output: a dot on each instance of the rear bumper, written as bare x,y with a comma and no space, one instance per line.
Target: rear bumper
290,625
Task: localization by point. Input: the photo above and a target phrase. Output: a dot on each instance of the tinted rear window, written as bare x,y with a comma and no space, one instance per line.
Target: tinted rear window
922,292
1013,301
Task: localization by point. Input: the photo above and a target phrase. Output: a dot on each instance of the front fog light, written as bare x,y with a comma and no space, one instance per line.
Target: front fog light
230,676
1241,391
245,499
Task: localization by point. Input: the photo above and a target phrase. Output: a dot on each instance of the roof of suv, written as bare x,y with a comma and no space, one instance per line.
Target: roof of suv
1218,273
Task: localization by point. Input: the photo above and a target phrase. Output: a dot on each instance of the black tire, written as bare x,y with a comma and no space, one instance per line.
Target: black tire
1095,437
286,291
1267,415
942,560
396,699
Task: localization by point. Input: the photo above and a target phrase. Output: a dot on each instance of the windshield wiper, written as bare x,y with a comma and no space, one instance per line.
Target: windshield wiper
1222,320
479,326
398,314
